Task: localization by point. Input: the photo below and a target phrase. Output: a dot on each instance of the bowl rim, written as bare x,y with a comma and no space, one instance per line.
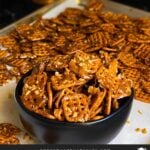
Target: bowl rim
47,121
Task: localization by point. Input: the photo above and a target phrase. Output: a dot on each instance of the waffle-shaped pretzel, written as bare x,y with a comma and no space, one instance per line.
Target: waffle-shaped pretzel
37,35
77,36
26,46
138,38
142,96
145,73
3,54
99,39
129,60
26,67
43,49
66,80
4,76
84,65
17,62
3,66
58,62
143,51
109,27
9,140
7,42
8,129
75,107
145,85
24,30
108,77
133,75
33,93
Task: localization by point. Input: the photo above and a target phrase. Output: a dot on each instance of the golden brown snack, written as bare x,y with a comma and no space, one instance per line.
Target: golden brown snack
8,133
75,107
84,65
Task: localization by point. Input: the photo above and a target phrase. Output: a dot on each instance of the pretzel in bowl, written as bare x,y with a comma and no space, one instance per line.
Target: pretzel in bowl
67,96
84,65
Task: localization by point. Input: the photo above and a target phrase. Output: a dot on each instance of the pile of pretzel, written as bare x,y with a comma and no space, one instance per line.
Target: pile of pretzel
90,30
84,90
8,133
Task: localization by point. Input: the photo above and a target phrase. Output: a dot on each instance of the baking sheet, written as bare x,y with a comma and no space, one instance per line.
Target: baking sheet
139,116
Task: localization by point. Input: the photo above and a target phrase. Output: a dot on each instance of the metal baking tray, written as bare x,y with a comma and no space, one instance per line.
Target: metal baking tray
8,111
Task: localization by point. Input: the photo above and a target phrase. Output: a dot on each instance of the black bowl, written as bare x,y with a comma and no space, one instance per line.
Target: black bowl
56,132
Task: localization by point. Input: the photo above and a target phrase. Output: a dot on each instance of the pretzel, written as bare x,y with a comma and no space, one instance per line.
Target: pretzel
75,107
142,96
58,62
145,86
24,30
109,27
8,133
4,76
95,113
33,94
94,6
133,75
104,79
43,49
37,35
107,109
129,60
9,140
26,46
98,117
97,100
66,80
59,114
84,64
8,42
45,113
143,51
145,74
15,72
25,68
3,66
8,129
3,54
50,95
138,38
99,39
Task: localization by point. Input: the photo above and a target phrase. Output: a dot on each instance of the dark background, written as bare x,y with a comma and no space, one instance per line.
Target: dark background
12,10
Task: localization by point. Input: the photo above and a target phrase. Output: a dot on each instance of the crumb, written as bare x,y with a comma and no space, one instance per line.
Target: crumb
140,112
144,131
128,121
137,129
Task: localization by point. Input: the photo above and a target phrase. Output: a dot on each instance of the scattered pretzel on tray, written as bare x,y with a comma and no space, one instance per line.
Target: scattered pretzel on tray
89,31
11,134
